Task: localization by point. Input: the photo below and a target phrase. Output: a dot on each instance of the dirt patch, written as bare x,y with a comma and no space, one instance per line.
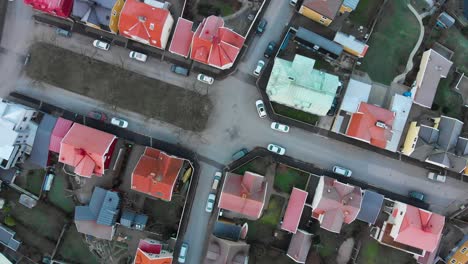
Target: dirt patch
164,217
118,87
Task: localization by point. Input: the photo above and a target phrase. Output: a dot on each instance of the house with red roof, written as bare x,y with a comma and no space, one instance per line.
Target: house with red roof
335,204
60,8
299,246
371,124
293,213
244,194
87,150
152,252
215,45
156,173
182,38
413,230
147,22
61,128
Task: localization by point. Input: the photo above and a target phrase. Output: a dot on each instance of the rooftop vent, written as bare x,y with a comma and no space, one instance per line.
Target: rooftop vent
142,19
151,26
381,124
291,78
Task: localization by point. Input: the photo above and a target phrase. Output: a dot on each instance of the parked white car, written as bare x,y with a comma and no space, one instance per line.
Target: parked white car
217,178
210,203
205,78
259,68
138,56
183,253
101,44
260,108
279,127
436,177
276,149
342,171
119,122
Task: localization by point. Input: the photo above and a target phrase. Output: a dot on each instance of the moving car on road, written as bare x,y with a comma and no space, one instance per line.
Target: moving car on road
183,252
210,203
260,108
259,68
217,178
261,26
101,44
119,122
97,115
416,195
342,171
179,70
138,56
270,49
205,78
279,127
276,149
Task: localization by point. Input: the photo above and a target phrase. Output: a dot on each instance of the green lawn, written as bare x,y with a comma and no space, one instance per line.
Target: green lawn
391,42
370,252
58,196
272,215
455,41
34,181
73,248
257,165
447,101
286,178
364,12
295,114
420,5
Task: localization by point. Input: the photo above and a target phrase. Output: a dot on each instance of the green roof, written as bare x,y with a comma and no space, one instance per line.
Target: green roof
296,84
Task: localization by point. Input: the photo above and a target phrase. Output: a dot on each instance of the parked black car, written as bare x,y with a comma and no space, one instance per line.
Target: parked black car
270,49
334,105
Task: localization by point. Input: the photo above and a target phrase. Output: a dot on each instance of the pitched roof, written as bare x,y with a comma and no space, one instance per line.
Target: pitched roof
350,43
335,203
417,227
156,173
293,213
182,38
60,130
446,19
97,12
151,252
313,38
86,149
327,8
40,149
356,92
299,246
214,44
221,251
363,125
244,194
296,84
61,8
433,67
351,3
7,238
145,23
370,208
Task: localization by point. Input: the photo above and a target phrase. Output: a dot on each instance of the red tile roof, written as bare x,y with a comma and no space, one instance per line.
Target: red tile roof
215,45
299,246
336,203
86,149
328,8
145,23
244,194
420,228
156,173
149,252
60,8
182,37
363,124
293,213
60,130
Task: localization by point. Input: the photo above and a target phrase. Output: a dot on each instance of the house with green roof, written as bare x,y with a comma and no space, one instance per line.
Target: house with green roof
296,84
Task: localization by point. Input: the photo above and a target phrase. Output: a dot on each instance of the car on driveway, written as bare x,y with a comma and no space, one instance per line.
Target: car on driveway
205,78
416,195
279,127
276,149
97,115
239,154
270,49
259,68
119,122
183,252
342,171
138,56
210,203
179,70
260,108
101,44
262,26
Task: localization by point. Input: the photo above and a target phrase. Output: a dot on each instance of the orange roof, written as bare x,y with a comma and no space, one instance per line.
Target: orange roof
363,124
143,258
150,252
156,173
145,23
87,149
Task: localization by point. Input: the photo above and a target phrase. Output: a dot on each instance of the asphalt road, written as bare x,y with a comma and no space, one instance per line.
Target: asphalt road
234,124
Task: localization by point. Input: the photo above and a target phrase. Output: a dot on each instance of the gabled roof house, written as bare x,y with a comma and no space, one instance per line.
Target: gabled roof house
299,246
244,194
321,11
335,204
156,173
98,218
60,8
152,252
101,14
296,84
87,150
147,22
293,213
222,251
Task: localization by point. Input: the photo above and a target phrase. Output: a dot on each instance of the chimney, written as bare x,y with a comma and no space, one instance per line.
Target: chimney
142,19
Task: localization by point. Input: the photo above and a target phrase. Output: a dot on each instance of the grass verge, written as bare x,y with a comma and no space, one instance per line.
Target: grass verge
295,114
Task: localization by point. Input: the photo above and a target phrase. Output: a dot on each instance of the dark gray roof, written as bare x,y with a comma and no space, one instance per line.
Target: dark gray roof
316,39
370,207
449,160
141,219
227,231
103,208
462,147
446,19
97,12
449,130
40,151
8,176
7,238
428,134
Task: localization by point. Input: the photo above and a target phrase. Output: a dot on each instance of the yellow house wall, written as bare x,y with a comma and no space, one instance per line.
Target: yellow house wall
352,52
311,14
115,16
344,9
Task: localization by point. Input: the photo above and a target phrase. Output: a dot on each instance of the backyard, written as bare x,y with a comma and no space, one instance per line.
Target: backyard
218,7
295,114
447,101
261,230
365,12
257,165
454,40
287,177
391,43
73,247
58,195
164,217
